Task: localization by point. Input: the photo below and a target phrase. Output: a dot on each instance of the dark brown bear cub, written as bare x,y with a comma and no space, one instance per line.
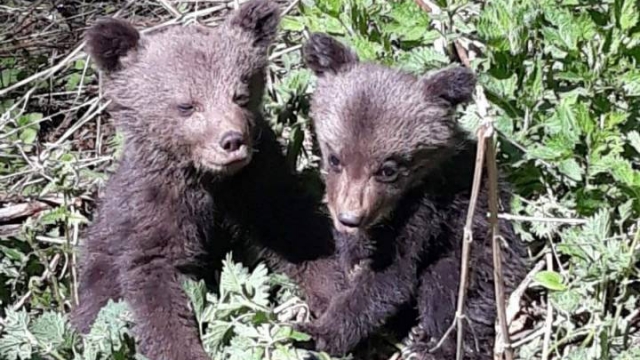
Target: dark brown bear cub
201,172
398,174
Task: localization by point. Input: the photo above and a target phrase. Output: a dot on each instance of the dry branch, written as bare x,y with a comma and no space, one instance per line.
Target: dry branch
17,211
486,142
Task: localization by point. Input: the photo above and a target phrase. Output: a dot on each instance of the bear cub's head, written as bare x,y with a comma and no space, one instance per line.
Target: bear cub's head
190,92
380,130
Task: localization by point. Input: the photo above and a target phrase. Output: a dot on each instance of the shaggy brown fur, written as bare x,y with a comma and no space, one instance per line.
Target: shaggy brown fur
398,171
201,173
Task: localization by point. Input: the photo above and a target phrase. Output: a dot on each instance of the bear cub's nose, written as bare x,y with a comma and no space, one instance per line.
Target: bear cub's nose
232,141
350,219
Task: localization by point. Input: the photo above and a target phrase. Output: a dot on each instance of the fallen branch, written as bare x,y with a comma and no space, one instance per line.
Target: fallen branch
18,211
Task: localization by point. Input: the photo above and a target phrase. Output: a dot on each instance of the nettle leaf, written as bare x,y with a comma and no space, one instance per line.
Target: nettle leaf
583,117
197,292
630,82
597,228
503,24
292,23
258,285
233,276
628,14
550,280
216,334
50,329
15,342
625,210
108,331
634,140
366,49
571,169
567,301
421,60
544,152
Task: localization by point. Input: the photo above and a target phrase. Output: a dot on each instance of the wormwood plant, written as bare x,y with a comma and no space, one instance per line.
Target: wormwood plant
563,81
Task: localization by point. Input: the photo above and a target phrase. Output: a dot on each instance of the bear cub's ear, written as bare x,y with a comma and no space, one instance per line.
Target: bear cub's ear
324,54
455,85
260,18
110,39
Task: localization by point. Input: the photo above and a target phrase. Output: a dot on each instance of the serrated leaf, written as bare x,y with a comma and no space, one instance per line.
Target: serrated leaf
567,301
216,333
624,210
15,343
571,169
257,285
108,330
630,82
597,228
550,280
544,152
292,23
197,292
49,329
628,14
233,277
634,140
366,50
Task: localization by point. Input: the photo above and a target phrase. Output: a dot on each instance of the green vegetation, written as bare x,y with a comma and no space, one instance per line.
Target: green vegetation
563,80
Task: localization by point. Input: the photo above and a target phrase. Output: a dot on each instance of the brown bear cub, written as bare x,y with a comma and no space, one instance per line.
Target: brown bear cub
201,172
398,174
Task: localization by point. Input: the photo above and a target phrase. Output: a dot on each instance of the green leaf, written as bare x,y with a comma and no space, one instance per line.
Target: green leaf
233,277
298,336
366,50
630,82
15,343
567,301
292,23
550,280
571,169
628,15
28,136
49,329
625,210
634,140
197,292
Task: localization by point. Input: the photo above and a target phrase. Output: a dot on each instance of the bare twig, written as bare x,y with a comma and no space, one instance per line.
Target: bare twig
514,299
549,318
466,242
170,8
502,342
542,219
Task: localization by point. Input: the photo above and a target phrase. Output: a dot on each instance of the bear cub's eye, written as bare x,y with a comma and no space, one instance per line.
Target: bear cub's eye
241,98
334,162
388,171
186,109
